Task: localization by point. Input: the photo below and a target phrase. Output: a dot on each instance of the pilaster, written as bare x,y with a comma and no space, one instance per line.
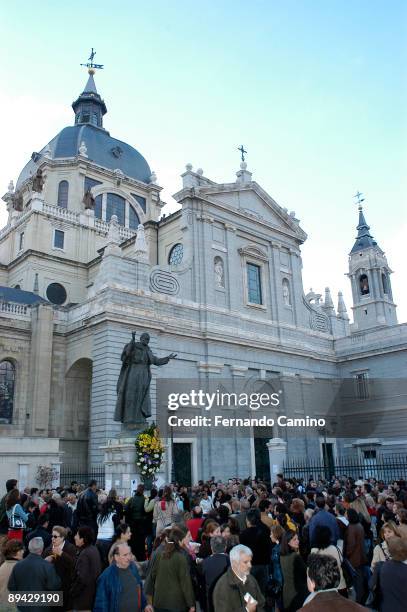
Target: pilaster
40,368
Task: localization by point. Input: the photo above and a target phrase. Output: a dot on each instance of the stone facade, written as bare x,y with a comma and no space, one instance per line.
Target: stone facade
198,300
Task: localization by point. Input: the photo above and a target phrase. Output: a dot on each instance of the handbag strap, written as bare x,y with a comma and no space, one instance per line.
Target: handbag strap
386,553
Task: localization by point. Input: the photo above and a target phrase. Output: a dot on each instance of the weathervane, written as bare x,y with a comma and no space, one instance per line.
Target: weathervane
358,195
242,151
90,65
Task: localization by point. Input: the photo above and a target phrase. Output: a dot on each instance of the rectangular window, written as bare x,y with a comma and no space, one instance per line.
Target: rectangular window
21,242
98,206
254,284
369,454
362,386
370,464
59,237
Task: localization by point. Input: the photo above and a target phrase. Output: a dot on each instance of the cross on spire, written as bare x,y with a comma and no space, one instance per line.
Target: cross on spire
359,201
90,65
242,151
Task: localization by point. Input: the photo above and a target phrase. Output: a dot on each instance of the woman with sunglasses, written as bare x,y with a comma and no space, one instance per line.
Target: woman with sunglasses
59,539
62,555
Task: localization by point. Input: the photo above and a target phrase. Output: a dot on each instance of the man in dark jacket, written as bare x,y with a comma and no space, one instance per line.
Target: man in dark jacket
135,517
257,538
237,590
323,579
214,567
87,508
41,531
34,574
87,570
324,518
120,586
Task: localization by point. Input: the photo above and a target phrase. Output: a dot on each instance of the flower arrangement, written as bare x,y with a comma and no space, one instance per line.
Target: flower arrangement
149,451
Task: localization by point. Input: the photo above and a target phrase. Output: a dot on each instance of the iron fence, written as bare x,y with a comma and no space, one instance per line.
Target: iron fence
82,475
387,468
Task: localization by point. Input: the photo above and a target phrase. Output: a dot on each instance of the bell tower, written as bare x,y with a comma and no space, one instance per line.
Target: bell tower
369,275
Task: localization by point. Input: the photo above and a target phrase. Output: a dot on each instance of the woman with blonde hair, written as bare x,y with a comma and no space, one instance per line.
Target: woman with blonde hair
381,551
359,505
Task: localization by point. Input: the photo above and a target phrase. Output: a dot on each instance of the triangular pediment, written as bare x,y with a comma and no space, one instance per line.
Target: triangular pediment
254,203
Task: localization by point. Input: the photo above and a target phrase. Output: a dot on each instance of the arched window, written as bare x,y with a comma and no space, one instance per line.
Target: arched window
134,221
7,380
364,284
286,292
176,254
115,205
385,284
63,189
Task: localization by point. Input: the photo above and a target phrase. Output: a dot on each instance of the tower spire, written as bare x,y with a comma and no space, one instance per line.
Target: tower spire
89,108
364,239
369,274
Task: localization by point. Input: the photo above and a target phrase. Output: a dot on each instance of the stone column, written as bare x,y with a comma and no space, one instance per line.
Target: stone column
108,342
277,448
42,323
277,308
296,285
233,275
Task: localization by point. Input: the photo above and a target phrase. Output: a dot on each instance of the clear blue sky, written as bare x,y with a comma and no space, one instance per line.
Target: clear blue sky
315,90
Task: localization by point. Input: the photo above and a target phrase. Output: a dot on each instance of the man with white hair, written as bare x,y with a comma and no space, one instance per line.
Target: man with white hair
237,590
34,574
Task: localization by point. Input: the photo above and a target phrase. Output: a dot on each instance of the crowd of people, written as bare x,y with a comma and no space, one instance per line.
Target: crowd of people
241,545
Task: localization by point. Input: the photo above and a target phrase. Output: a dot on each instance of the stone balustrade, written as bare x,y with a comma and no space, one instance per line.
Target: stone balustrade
67,215
15,310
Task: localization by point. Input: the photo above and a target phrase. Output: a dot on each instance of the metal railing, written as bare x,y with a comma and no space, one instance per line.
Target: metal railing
82,475
393,467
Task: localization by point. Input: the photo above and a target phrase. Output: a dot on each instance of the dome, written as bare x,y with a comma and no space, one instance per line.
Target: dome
102,149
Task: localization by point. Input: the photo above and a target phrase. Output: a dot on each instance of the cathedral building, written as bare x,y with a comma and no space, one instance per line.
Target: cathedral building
87,257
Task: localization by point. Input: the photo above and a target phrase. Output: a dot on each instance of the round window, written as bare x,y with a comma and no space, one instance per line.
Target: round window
56,293
176,254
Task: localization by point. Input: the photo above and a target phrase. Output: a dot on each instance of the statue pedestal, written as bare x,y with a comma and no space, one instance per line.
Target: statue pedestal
278,454
121,472
120,465
37,201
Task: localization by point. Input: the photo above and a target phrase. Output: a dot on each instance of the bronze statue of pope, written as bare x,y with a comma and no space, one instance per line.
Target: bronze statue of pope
133,405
